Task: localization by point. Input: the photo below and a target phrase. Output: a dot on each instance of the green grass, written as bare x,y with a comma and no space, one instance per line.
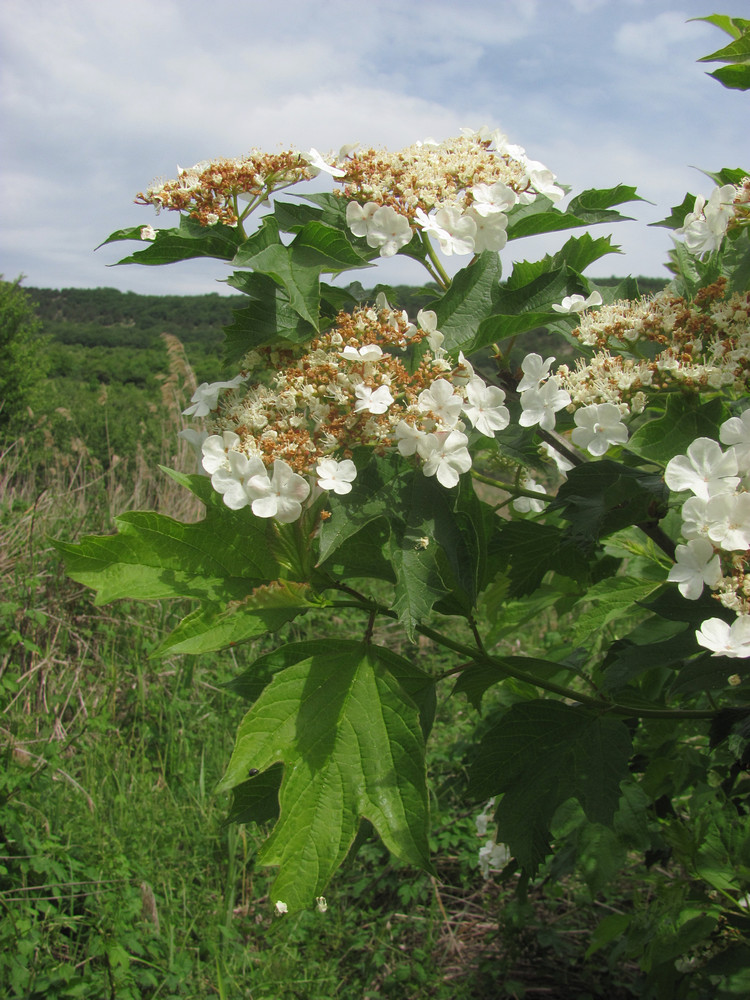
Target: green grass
120,877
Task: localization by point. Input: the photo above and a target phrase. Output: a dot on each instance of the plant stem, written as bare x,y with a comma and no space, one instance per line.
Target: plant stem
511,487
442,276
479,656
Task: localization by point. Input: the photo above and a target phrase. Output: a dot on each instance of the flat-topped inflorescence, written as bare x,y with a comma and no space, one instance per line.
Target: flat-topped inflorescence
209,191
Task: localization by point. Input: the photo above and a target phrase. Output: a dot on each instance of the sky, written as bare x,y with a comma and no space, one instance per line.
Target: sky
99,98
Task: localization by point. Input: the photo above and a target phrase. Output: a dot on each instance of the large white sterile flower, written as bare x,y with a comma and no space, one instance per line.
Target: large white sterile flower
215,450
577,303
705,227
281,496
455,231
318,165
535,371
490,199
206,396
441,400
427,320
336,476
408,437
706,470
372,400
529,505
388,231
358,216
497,139
485,407
695,523
724,639
463,373
598,427
543,182
232,481
539,406
563,465
195,439
696,564
445,456
370,352
490,232
728,517
493,856
735,432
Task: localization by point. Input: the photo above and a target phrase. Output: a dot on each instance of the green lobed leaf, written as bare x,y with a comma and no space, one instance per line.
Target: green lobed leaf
693,273
602,497
676,219
733,26
738,50
302,284
736,261
727,175
590,207
266,321
190,240
685,419
257,799
736,77
606,603
498,328
352,748
707,673
217,626
418,581
654,644
475,680
373,495
226,561
435,550
468,301
363,555
316,248
528,550
292,216
416,683
539,755
577,253
525,302
153,556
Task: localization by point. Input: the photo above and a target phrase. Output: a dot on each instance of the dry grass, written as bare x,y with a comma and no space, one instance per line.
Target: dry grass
52,639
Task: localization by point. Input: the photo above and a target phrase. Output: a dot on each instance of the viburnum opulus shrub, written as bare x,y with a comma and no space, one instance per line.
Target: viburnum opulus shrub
427,470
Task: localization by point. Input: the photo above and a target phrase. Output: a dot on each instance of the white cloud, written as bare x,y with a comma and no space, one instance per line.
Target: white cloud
654,40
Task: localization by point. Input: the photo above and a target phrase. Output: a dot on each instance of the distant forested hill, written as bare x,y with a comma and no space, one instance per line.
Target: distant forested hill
106,317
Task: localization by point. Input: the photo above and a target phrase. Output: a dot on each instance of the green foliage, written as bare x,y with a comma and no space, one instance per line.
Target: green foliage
23,358
736,74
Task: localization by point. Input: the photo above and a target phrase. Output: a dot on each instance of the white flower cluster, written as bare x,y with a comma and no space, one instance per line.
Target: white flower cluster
706,226
209,191
271,445
662,343
598,427
716,526
459,191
